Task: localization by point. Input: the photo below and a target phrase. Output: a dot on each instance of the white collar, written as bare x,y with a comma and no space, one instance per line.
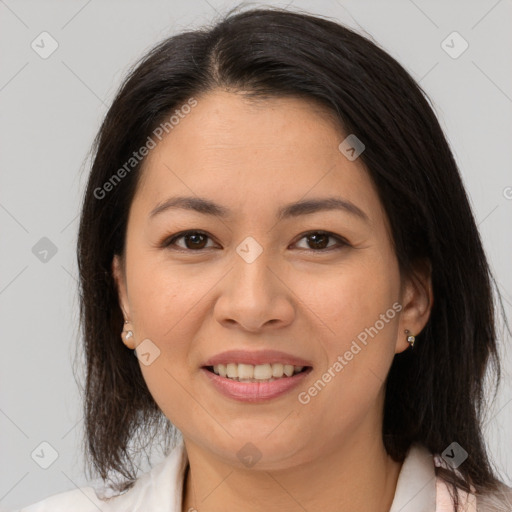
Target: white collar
416,486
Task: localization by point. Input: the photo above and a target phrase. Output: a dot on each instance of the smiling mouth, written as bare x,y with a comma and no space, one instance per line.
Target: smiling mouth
256,373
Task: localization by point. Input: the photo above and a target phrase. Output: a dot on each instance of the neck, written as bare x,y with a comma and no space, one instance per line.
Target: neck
358,476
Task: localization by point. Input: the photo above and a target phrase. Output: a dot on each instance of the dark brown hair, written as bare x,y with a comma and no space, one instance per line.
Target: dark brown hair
435,392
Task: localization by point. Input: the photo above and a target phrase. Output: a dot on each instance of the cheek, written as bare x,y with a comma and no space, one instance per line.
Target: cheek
356,321
162,297
350,298
358,347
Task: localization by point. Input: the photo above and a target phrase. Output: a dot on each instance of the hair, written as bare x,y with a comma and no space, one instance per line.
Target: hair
435,392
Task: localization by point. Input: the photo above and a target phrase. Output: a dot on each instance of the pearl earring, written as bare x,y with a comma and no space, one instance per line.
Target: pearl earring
410,338
127,332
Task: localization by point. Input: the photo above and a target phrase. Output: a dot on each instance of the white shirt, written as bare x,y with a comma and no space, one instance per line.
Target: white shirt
160,489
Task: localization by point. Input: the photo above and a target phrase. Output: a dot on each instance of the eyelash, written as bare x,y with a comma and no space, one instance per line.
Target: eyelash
168,242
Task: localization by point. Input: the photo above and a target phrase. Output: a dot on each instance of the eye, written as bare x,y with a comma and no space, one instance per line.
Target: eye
319,239
197,241
194,240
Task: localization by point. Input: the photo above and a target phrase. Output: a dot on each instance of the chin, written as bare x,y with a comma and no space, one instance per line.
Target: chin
261,451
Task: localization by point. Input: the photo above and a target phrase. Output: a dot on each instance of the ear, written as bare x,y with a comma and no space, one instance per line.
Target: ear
118,273
417,301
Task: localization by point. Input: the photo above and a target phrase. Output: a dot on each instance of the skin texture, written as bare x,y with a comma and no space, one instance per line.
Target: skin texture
253,157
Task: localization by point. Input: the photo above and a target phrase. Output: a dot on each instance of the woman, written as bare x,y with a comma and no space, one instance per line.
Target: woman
276,225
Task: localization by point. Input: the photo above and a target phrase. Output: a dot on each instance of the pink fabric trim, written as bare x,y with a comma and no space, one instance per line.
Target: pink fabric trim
444,502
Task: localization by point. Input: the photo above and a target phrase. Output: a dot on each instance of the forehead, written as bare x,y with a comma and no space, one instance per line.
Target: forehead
232,121
246,153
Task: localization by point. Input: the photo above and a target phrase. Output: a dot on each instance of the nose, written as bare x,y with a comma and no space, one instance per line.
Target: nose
254,296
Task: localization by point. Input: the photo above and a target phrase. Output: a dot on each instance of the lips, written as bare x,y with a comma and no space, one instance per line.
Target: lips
254,392
288,371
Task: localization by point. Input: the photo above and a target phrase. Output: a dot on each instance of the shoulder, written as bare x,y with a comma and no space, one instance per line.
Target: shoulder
157,489
83,499
495,501
444,500
498,501
89,499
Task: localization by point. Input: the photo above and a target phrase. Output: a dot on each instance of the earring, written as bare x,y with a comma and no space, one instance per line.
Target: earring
410,338
127,333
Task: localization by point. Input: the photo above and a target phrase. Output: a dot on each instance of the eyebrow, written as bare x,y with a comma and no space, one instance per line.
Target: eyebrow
304,207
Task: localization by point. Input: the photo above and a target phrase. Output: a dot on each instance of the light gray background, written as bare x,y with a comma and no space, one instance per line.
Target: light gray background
51,109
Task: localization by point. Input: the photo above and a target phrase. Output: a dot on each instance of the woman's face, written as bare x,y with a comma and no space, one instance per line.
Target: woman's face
321,286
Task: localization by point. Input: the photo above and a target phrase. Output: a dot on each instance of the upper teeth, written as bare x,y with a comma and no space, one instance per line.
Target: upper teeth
259,371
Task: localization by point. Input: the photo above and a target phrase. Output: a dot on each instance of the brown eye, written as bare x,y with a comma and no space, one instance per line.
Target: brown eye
318,241
193,240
